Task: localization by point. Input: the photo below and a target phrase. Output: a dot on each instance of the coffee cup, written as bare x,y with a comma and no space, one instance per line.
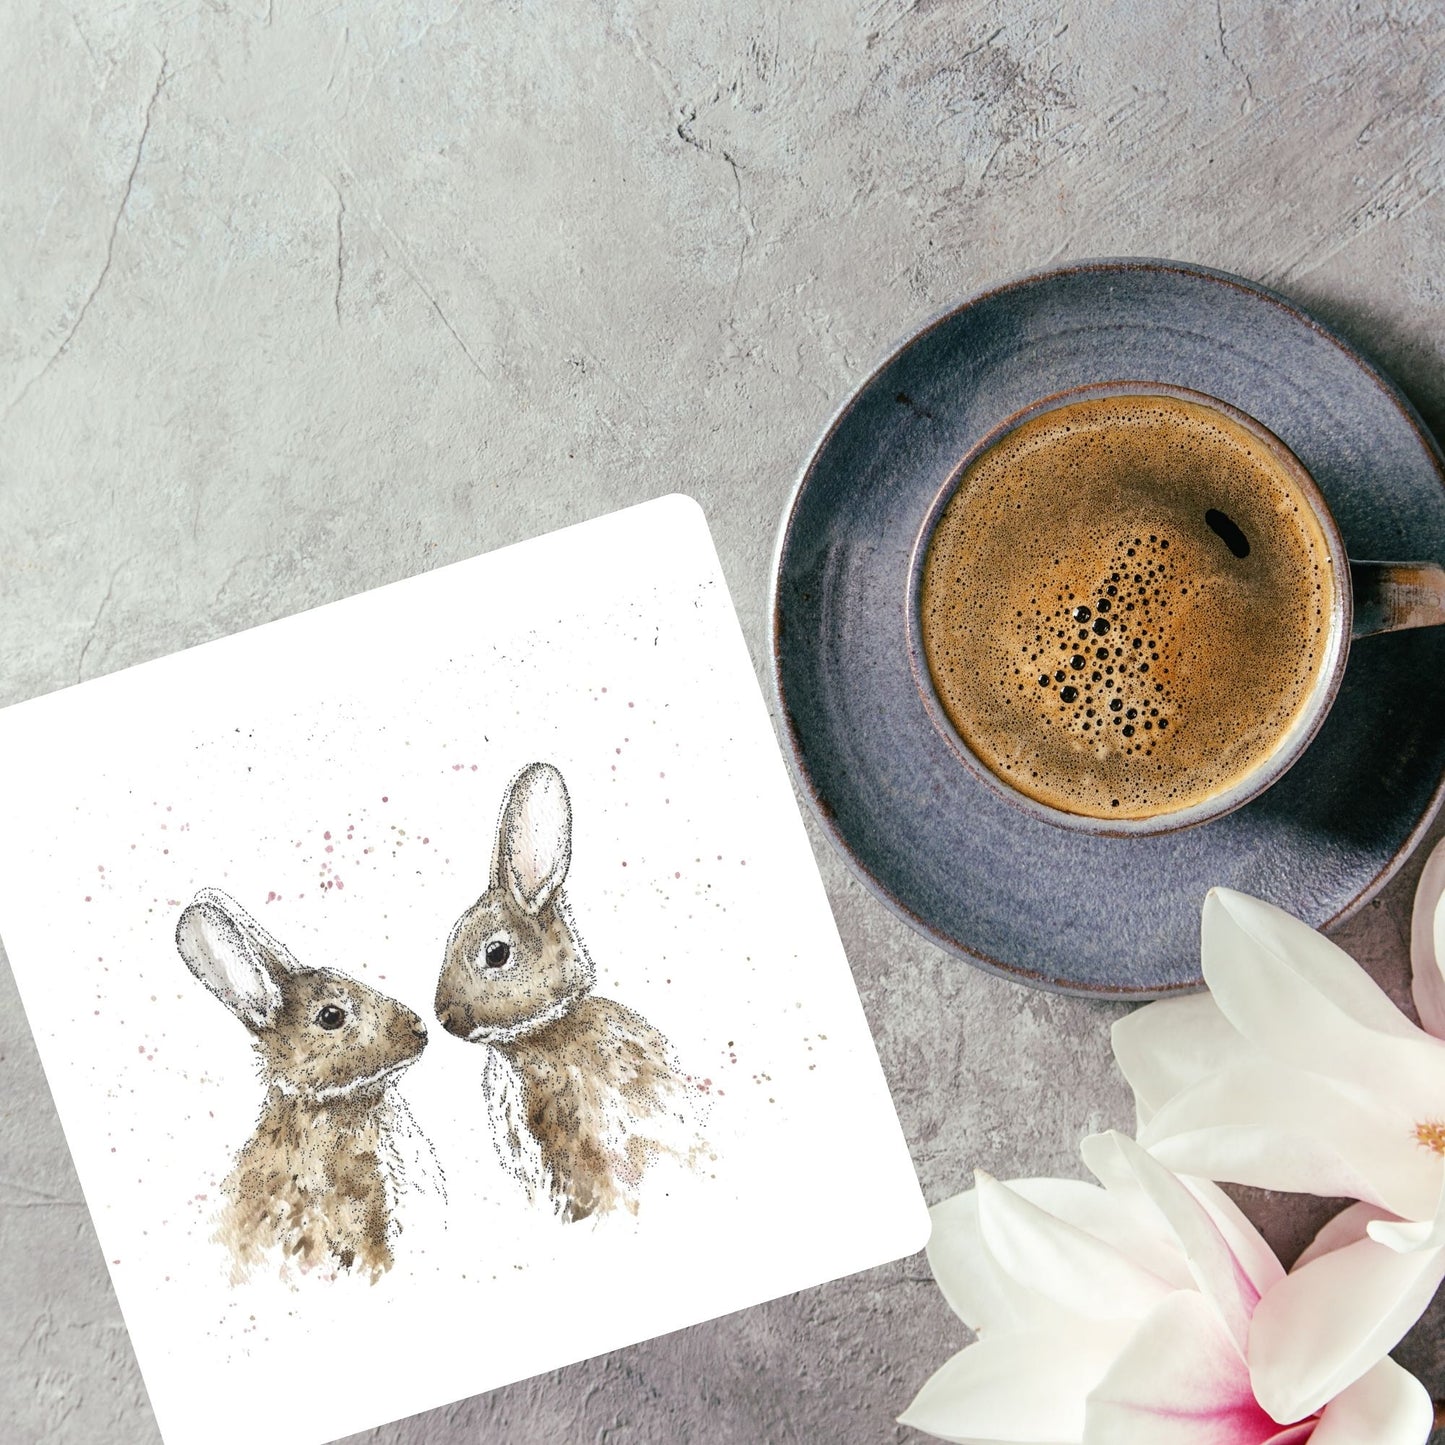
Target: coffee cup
1130,609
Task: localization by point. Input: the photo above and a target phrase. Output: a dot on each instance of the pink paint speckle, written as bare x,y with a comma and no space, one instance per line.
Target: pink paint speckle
338,883
385,799
87,897
677,875
327,833
624,862
474,767
631,704
426,840
329,847
271,895
604,689
617,750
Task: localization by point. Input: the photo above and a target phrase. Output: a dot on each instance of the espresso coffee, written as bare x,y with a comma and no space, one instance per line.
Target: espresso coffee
1126,605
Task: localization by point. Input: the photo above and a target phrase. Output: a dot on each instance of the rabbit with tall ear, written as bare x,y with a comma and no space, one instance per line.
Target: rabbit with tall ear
318,1181
582,1092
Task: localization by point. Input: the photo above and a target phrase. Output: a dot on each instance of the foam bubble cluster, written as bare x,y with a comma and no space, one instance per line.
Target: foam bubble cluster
1100,658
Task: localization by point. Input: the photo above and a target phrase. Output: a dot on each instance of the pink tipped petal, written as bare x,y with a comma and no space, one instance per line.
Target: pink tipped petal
1385,1406
1427,944
1306,1003
1279,1128
1060,1261
1325,1325
1179,1381
1165,1047
1347,1227
1028,1387
1216,1272
1246,1243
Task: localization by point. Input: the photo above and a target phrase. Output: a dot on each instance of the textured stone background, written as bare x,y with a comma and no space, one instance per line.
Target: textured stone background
299,299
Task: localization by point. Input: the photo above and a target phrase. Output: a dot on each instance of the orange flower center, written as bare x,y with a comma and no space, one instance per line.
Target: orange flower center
1432,1135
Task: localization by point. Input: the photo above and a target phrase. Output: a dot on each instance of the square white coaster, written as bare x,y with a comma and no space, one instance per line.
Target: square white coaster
339,774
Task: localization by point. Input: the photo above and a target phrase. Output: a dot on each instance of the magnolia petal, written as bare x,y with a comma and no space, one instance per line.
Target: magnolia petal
976,1289
1117,1216
1427,944
1278,1128
1407,1235
1165,1047
1348,1226
1307,1003
1217,1273
1246,1243
1385,1406
1325,1325
1025,1387
1060,1261
1179,1381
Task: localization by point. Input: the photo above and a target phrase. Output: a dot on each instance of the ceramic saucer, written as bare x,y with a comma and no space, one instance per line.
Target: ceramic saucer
1107,917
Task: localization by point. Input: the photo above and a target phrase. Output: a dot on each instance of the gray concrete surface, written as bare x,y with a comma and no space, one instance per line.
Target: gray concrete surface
300,299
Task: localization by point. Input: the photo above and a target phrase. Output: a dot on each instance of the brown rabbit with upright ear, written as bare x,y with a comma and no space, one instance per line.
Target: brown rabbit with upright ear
319,1178
582,1092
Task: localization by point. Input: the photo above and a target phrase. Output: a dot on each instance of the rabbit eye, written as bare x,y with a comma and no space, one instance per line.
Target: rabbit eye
331,1017
497,953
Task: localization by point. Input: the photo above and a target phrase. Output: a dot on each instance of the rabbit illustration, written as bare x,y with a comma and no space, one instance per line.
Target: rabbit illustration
319,1178
582,1092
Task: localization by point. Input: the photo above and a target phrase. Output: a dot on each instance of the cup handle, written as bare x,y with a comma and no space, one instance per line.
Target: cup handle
1391,596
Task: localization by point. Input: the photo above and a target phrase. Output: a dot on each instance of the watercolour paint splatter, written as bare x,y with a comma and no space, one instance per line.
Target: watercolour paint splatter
582,1093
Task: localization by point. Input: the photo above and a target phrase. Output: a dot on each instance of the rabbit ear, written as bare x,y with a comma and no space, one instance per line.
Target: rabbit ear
233,956
534,837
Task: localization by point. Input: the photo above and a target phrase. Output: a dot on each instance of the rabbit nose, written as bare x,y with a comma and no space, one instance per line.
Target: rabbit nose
418,1028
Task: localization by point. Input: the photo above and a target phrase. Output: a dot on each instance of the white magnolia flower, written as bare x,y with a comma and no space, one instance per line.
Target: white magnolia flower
1296,1072
1121,1316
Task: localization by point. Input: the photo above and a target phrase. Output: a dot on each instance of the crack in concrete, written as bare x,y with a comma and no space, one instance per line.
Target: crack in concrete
687,115
99,614
231,576
1231,60
80,315
340,252
398,251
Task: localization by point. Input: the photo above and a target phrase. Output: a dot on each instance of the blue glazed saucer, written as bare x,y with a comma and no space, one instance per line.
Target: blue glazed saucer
1107,917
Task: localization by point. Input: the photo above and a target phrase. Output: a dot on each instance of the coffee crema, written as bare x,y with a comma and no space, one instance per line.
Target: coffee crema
1125,606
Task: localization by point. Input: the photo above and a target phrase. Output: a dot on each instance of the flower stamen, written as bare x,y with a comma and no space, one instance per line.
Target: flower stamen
1432,1135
